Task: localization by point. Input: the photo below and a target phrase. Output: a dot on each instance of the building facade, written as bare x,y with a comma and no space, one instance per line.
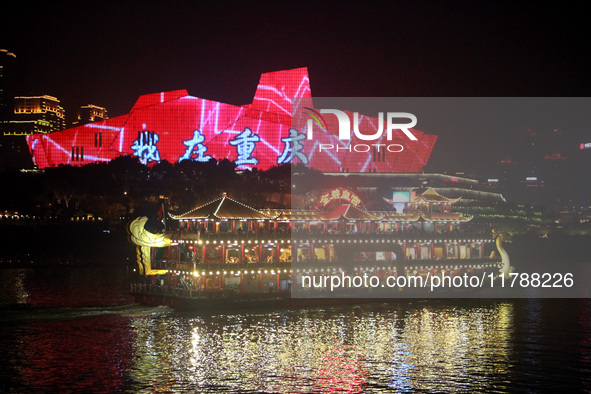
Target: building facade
7,87
270,131
90,113
37,115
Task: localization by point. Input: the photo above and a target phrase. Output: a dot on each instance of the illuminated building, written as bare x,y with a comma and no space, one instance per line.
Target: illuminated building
32,115
537,170
37,115
174,126
89,114
14,153
7,87
583,158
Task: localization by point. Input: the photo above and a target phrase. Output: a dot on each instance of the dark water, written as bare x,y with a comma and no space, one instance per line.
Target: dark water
73,330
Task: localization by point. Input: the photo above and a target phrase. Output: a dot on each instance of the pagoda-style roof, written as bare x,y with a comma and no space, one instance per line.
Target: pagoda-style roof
300,215
392,216
431,196
224,208
345,211
349,212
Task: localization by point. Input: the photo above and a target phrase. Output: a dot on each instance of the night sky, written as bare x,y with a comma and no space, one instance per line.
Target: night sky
108,53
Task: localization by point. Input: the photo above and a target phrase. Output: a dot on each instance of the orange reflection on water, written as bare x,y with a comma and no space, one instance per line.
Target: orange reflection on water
398,347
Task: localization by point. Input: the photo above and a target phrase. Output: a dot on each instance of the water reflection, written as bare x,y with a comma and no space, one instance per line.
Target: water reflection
57,356
406,346
393,347
13,289
64,286
584,322
60,338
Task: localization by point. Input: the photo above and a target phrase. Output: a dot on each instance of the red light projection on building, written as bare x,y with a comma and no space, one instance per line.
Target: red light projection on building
174,126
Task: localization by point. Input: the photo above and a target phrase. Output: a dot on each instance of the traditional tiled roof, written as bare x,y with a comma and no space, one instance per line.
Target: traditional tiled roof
224,208
430,196
392,216
349,212
299,214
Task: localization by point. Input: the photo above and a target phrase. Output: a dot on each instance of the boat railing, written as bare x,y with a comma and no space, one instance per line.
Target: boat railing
396,236
304,236
314,263
185,265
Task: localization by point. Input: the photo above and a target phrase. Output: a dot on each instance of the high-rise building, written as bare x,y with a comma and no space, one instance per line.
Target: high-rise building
37,115
7,87
89,114
14,152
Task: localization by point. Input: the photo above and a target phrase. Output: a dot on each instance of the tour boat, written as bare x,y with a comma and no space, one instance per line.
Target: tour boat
225,253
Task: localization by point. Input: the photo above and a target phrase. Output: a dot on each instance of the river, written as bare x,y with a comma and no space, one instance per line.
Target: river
76,329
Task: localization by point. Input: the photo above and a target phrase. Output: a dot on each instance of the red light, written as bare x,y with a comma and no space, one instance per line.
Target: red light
174,126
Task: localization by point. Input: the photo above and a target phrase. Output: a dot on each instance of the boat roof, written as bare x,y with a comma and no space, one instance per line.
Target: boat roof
222,208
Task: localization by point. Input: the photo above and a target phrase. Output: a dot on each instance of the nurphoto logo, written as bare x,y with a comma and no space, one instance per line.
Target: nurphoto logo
344,129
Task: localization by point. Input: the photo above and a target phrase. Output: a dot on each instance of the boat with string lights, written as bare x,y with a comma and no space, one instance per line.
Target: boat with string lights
225,253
